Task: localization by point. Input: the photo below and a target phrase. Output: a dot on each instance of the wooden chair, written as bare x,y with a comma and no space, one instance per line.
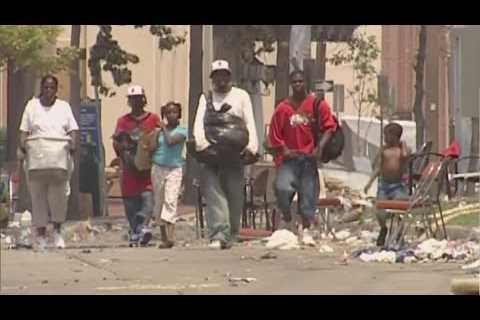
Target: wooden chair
424,197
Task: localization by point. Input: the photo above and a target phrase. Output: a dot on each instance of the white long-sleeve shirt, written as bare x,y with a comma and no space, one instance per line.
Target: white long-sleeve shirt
241,107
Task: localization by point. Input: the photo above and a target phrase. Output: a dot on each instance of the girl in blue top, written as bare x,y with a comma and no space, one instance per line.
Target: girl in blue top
167,170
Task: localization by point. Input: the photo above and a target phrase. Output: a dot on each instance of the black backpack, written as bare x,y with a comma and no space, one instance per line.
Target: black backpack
334,147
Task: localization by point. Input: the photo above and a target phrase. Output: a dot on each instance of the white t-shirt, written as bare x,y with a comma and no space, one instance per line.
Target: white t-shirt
241,107
54,121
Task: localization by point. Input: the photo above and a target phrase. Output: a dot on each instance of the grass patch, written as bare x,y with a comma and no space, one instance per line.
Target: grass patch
470,219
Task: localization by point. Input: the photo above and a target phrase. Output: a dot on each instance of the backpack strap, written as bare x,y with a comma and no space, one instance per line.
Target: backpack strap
315,124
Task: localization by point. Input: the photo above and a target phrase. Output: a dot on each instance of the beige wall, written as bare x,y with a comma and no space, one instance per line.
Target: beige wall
163,74
344,74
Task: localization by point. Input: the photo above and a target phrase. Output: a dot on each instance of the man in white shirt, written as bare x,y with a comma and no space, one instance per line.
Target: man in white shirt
222,186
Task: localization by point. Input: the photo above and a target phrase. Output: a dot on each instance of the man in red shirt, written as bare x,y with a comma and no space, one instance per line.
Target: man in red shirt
136,185
296,149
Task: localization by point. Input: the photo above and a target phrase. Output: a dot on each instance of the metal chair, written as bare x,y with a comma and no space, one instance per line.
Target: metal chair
256,201
199,216
462,179
423,197
418,162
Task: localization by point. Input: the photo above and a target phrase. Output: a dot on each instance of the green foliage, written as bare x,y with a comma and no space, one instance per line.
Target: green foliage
27,45
106,55
362,51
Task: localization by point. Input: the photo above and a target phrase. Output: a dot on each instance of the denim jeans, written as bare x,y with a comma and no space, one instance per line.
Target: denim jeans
139,209
223,190
389,191
299,175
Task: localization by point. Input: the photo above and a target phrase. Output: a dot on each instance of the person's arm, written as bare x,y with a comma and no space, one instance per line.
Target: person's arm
72,129
21,143
405,150
327,125
117,146
376,172
172,139
201,141
250,122
73,142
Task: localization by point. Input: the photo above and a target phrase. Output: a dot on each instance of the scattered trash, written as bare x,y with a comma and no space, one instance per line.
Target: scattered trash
351,240
410,259
368,236
325,236
117,228
26,219
325,249
268,255
86,251
245,280
105,261
383,256
8,243
283,240
342,235
472,268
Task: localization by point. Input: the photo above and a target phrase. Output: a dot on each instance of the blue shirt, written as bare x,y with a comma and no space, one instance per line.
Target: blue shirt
170,156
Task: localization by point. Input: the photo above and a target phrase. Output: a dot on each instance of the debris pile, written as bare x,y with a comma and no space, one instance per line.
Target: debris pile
430,250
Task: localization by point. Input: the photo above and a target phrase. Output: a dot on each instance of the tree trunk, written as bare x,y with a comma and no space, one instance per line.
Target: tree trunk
419,90
196,88
321,57
281,77
75,87
20,88
474,151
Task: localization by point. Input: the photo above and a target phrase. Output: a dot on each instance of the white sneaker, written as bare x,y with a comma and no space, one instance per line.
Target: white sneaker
40,244
307,237
58,241
215,244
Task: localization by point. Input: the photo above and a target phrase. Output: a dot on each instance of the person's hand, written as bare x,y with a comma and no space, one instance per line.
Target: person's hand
289,154
161,125
72,148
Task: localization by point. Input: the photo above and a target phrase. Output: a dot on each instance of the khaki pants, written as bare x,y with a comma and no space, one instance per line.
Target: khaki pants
49,195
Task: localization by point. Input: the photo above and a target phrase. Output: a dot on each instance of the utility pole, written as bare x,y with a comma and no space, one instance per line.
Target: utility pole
196,88
75,86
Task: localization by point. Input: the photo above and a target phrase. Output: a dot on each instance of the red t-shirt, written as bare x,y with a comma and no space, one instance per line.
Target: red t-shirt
134,183
292,128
